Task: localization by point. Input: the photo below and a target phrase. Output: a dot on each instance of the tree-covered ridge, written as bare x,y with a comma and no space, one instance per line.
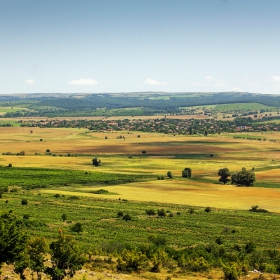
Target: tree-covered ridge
139,103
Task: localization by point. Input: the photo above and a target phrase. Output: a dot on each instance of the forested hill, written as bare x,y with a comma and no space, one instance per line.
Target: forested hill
150,102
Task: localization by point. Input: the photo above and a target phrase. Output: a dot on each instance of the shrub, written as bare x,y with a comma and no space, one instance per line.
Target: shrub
256,208
63,217
57,195
208,209
126,217
150,212
161,213
24,201
120,214
191,211
77,227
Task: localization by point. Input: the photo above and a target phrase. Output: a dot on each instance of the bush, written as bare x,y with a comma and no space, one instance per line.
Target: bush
256,208
208,209
126,217
24,201
161,213
120,214
78,227
150,212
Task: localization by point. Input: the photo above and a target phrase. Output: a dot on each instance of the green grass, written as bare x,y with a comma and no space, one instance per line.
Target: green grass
101,225
30,178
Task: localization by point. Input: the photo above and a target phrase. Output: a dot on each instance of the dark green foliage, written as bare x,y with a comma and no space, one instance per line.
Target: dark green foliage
36,250
24,201
101,191
57,195
73,197
191,211
131,260
126,217
157,240
224,175
96,162
208,209
64,217
169,174
161,213
66,257
187,173
150,212
250,247
12,240
243,178
77,227
120,214
231,271
256,208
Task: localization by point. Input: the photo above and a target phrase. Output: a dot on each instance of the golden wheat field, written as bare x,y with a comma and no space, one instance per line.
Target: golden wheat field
163,153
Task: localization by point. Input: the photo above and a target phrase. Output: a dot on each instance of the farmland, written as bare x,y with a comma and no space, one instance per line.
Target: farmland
51,168
63,180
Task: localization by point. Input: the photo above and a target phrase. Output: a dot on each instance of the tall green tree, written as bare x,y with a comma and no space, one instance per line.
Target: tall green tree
13,240
224,175
66,257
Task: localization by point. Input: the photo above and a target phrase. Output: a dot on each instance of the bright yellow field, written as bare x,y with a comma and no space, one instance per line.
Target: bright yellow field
163,153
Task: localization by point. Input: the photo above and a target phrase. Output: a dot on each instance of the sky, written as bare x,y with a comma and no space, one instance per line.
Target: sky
110,46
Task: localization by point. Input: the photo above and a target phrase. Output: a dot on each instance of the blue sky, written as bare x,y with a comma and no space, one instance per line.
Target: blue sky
94,46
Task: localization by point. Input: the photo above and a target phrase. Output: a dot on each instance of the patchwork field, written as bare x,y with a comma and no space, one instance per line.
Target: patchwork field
154,155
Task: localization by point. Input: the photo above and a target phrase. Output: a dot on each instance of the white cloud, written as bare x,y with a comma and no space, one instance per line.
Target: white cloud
154,82
208,79
31,82
87,82
276,78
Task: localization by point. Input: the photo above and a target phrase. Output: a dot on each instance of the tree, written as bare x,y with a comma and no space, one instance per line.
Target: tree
36,250
66,257
64,217
243,178
187,173
224,175
96,162
169,174
12,240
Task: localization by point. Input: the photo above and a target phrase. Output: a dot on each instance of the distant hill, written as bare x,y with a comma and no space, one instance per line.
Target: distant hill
66,104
